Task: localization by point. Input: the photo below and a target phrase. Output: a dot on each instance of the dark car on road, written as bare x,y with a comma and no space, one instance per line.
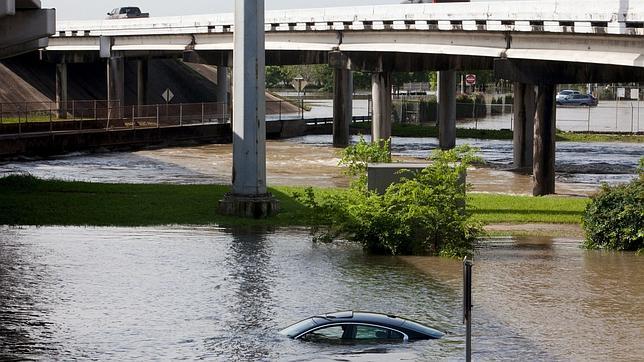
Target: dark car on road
586,100
130,12
566,93
359,327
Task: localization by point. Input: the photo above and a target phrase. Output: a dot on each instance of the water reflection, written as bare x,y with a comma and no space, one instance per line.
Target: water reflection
249,310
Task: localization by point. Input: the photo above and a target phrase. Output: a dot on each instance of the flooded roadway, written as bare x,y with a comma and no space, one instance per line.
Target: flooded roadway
311,160
208,293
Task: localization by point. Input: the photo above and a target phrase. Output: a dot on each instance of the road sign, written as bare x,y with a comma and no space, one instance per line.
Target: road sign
635,94
299,83
470,79
621,92
167,95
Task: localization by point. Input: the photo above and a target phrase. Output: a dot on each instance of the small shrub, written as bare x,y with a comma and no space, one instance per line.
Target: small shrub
614,219
356,158
423,214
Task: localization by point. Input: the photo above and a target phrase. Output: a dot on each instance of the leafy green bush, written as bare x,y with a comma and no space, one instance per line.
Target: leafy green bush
423,214
356,158
614,219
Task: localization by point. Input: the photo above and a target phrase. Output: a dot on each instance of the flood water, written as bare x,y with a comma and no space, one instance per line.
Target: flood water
208,293
581,167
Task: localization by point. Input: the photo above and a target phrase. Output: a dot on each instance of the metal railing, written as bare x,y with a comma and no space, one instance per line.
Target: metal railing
622,116
30,117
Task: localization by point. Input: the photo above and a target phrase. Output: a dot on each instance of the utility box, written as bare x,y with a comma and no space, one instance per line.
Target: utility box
381,175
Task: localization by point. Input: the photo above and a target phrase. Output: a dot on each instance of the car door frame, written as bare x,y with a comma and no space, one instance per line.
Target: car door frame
405,336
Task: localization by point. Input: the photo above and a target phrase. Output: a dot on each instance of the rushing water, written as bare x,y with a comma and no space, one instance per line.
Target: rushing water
581,167
207,293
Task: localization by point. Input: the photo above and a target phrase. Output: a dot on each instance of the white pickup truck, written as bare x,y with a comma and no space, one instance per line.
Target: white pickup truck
127,13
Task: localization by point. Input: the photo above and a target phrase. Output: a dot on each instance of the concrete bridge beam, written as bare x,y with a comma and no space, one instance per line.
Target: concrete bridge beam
141,81
61,90
342,106
447,109
382,106
544,141
524,113
27,26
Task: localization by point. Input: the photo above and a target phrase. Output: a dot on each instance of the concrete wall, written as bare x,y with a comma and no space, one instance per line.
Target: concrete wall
52,144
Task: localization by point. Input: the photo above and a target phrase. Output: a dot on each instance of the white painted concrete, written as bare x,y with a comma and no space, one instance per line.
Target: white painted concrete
600,31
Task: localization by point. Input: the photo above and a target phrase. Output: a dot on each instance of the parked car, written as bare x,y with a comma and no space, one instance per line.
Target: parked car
352,326
565,93
586,100
130,12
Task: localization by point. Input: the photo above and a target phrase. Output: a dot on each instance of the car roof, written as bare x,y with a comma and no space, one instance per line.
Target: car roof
386,320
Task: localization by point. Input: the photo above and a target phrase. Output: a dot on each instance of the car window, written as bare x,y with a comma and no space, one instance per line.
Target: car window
325,334
371,332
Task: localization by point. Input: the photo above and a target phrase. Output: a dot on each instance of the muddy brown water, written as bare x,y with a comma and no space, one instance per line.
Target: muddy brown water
207,293
167,293
312,161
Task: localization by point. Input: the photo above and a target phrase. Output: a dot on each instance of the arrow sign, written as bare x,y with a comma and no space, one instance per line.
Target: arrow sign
167,95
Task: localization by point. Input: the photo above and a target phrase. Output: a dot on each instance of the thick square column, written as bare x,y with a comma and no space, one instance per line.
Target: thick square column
115,86
141,81
222,84
342,106
381,99
544,142
524,113
249,197
61,90
447,109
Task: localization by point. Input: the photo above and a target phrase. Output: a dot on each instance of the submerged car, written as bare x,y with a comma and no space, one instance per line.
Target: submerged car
359,326
586,100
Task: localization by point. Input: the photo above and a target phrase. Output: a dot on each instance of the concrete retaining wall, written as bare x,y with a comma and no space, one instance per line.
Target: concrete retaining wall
44,144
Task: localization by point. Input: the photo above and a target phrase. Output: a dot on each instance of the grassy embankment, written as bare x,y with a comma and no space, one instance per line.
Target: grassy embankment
411,130
26,200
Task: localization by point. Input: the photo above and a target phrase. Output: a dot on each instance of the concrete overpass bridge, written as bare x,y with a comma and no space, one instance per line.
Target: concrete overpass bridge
534,44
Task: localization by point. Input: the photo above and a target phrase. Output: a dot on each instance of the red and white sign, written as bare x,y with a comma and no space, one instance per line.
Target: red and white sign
470,79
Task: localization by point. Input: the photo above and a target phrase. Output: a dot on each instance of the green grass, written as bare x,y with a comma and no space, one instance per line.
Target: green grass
501,208
414,130
599,137
25,200
30,119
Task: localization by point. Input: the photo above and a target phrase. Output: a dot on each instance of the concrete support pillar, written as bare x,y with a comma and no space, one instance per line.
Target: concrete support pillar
524,113
115,85
381,95
61,90
342,106
222,84
447,109
544,142
141,81
249,197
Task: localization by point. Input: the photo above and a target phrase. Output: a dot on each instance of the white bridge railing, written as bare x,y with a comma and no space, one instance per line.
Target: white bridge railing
622,17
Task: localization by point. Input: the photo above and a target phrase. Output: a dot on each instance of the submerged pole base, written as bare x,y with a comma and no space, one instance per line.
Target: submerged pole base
249,206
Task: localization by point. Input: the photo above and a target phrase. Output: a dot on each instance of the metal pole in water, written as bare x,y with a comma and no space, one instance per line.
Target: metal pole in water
467,307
